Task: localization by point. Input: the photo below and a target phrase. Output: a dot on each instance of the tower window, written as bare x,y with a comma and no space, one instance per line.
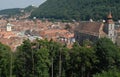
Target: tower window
110,34
111,26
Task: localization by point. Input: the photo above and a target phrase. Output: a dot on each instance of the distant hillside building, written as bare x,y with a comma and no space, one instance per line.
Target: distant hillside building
92,31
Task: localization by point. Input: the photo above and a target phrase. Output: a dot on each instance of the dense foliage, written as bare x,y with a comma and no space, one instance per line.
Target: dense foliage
29,8
43,58
78,9
110,73
5,61
13,11
16,11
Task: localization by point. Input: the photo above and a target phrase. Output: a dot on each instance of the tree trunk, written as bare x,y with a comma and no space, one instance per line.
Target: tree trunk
60,65
52,67
88,74
33,63
11,61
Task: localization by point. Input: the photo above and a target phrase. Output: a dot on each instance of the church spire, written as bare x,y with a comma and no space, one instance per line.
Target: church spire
109,18
109,15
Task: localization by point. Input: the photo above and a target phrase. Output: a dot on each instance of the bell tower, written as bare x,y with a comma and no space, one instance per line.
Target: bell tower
111,27
8,27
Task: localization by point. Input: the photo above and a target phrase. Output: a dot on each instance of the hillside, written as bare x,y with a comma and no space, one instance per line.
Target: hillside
16,11
30,8
78,9
12,11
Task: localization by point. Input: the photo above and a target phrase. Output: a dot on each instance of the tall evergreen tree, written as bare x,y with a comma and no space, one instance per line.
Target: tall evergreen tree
5,61
107,53
23,62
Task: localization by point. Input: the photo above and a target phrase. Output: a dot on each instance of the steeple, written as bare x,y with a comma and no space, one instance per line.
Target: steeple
110,27
109,18
109,15
8,27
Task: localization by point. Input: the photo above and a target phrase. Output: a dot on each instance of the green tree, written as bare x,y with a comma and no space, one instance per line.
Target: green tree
82,61
58,55
77,9
107,53
23,62
109,73
42,62
53,50
5,61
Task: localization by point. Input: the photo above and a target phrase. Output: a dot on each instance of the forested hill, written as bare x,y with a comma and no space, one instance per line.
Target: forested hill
16,11
78,9
12,11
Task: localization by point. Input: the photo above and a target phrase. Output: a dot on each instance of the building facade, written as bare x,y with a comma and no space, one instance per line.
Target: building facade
9,27
90,30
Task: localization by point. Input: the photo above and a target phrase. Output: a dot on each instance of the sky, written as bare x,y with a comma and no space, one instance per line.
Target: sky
6,4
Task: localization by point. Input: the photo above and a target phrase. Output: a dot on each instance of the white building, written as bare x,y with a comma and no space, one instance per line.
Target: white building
9,27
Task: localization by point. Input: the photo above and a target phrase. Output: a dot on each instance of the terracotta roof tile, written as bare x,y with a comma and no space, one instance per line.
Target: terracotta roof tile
89,27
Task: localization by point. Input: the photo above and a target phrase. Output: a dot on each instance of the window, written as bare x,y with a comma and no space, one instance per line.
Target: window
110,34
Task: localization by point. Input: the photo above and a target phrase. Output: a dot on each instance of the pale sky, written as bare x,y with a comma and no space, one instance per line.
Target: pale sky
6,4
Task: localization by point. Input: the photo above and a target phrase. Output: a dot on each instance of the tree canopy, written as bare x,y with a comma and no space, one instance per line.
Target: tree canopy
43,58
77,9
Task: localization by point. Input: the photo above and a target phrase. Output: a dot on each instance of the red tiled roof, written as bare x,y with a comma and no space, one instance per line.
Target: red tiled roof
89,27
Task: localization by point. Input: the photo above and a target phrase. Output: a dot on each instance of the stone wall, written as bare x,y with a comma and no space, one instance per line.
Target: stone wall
80,37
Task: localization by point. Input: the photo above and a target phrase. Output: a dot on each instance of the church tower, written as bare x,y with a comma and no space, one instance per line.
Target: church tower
8,27
110,27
